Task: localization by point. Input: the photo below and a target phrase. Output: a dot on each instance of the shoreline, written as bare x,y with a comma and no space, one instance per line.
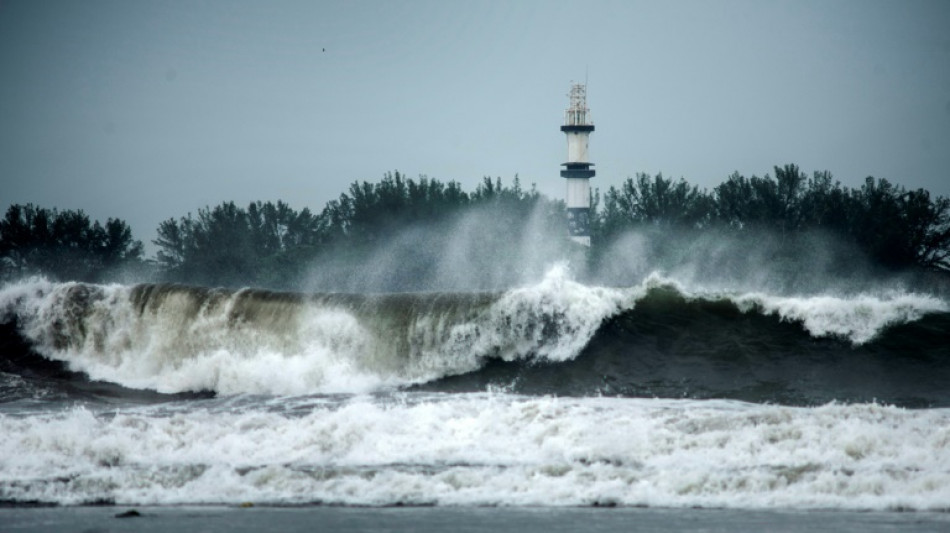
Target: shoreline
223,518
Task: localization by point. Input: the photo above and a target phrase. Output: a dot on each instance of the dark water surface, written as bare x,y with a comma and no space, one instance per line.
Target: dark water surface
462,520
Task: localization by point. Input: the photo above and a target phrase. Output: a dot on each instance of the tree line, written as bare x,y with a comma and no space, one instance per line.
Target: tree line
895,227
65,245
270,244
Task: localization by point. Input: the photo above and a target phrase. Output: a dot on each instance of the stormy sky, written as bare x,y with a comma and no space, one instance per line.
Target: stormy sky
147,110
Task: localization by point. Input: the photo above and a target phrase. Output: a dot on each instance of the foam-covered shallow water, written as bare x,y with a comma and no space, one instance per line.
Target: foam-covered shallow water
493,449
557,394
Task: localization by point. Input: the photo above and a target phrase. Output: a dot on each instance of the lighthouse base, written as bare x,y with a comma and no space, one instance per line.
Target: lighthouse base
584,241
578,224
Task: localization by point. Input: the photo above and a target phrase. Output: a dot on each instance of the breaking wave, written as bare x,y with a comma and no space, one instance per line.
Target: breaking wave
556,337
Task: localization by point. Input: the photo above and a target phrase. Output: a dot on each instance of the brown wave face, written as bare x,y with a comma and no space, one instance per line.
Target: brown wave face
174,338
123,335
380,333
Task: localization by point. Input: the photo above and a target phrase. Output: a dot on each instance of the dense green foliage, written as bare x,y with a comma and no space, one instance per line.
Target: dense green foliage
230,245
64,245
896,228
374,211
271,244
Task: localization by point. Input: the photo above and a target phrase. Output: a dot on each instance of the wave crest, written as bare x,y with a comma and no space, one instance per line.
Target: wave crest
172,338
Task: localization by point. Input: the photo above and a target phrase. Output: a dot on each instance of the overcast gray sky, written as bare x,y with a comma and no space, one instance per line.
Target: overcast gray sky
146,110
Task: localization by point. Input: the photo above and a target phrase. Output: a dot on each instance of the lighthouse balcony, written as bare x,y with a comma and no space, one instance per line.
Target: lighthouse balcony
567,128
584,173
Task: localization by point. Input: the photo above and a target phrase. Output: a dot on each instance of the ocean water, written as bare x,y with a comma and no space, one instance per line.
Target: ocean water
559,395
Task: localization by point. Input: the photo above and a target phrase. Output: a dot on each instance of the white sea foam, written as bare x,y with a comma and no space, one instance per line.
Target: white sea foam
524,319
857,318
485,450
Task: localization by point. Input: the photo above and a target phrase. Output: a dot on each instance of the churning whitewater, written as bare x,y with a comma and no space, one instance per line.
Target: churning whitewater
172,338
482,449
558,393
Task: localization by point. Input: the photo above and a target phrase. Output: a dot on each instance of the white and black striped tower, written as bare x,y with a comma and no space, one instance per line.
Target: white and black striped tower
577,171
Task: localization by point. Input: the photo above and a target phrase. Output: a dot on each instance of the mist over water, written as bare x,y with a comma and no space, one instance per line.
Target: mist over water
489,249
481,248
805,263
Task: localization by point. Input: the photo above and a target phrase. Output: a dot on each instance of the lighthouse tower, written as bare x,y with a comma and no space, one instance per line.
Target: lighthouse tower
578,172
